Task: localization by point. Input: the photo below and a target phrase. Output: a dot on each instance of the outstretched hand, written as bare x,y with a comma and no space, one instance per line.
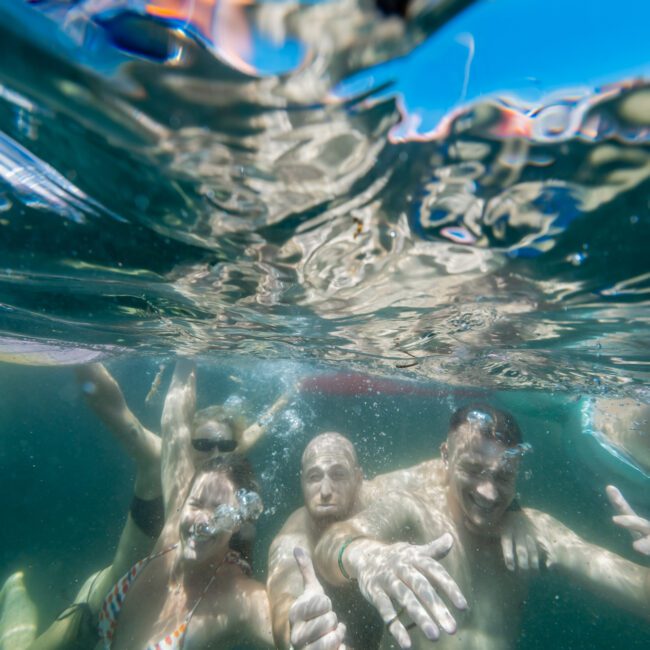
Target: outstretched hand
627,518
408,578
314,625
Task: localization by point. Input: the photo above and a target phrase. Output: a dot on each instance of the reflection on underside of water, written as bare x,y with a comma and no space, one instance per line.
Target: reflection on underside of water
205,202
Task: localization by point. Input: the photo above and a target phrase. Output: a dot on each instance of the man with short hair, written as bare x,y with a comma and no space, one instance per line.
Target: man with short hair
481,458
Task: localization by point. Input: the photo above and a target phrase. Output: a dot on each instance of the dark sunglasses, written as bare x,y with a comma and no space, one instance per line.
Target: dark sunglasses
208,444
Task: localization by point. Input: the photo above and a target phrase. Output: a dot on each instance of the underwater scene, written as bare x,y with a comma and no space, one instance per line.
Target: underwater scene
324,324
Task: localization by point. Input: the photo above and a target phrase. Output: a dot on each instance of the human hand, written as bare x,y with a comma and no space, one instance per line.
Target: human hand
518,543
409,577
637,526
314,625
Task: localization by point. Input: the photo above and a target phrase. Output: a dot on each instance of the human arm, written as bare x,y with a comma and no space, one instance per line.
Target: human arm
284,583
105,398
176,425
627,518
623,583
314,624
392,575
252,434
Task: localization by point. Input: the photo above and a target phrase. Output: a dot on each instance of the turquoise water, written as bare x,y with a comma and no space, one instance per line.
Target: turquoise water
300,202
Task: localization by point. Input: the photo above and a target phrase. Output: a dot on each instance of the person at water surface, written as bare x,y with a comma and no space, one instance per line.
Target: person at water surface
481,457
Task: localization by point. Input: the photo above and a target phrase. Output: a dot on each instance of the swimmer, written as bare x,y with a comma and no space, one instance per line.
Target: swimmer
331,482
333,490
194,590
76,625
638,527
190,437
465,518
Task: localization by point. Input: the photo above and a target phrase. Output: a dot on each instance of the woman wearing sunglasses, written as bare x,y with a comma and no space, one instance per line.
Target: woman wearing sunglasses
188,440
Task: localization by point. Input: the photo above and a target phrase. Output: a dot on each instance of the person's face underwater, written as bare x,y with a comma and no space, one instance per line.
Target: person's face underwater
212,438
482,477
330,482
209,491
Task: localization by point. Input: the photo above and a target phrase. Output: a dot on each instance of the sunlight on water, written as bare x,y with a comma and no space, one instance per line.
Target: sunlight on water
356,216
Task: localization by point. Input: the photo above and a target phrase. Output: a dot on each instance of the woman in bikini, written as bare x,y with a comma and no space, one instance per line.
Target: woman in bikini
194,590
188,439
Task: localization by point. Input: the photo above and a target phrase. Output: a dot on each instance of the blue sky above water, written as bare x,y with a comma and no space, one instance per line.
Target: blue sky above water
527,48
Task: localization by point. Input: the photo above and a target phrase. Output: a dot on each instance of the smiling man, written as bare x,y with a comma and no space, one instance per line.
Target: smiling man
385,547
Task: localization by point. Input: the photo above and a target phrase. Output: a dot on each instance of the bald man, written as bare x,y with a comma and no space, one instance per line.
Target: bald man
333,490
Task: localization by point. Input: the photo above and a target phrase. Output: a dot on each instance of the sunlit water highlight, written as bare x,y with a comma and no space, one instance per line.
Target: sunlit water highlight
166,187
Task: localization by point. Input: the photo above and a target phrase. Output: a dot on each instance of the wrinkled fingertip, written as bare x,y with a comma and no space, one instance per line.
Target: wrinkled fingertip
432,633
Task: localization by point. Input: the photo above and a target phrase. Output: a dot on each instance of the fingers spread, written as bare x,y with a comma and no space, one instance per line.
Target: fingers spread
617,499
425,594
384,606
638,526
440,579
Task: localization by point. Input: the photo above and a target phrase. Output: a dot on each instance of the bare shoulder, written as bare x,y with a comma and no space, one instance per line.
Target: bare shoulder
429,473
295,530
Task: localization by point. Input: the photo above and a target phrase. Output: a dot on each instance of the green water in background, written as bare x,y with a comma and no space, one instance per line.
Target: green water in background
67,484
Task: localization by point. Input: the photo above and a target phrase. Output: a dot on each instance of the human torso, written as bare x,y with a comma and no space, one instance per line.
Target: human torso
155,609
426,475
495,595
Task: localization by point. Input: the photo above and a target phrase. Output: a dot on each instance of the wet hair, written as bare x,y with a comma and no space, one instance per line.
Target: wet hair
491,423
228,416
238,470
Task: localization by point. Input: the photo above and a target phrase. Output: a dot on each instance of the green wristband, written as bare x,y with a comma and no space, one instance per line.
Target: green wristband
345,544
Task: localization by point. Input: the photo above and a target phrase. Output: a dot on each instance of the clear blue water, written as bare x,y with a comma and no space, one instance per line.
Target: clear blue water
459,201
